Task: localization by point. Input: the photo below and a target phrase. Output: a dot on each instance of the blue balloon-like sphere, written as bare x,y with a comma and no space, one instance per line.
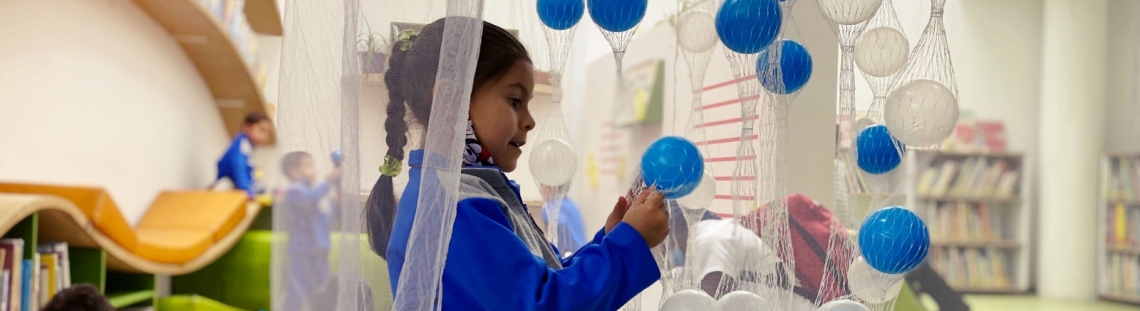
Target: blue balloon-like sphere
674,165
560,14
894,240
794,71
878,151
748,26
617,15
337,157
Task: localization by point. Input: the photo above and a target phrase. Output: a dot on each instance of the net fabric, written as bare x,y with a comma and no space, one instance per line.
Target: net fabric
922,108
880,53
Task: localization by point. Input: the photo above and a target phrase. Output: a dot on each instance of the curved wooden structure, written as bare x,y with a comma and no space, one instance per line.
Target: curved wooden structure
66,215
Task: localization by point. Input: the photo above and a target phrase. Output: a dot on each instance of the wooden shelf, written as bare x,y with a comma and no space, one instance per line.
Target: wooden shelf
1132,299
214,53
1124,249
1125,202
995,244
1005,200
953,153
264,17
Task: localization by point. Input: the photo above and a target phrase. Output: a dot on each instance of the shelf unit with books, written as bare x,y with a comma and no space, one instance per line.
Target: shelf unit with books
979,222
1119,211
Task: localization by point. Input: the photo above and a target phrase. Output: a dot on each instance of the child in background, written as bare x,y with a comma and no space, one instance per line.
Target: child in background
571,231
234,164
308,223
497,257
82,297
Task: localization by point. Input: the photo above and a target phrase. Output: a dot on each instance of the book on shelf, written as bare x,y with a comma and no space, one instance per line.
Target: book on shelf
27,288
1122,278
13,259
1124,181
973,268
972,177
963,222
63,262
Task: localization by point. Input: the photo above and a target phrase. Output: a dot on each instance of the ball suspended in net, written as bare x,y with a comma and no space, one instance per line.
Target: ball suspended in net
553,162
893,240
877,151
617,15
696,31
793,72
688,300
748,26
703,195
921,113
843,305
560,14
741,300
882,51
870,285
674,165
849,12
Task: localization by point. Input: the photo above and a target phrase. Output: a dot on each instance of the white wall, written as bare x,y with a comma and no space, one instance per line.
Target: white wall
96,93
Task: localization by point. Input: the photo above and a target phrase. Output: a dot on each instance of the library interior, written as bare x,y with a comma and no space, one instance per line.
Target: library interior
911,155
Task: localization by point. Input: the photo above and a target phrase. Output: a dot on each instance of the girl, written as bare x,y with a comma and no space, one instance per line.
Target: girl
498,258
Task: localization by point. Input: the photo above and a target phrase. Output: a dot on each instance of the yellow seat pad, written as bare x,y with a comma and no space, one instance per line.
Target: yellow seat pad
172,245
214,212
95,203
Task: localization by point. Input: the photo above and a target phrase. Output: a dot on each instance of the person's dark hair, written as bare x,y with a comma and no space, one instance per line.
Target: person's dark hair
82,297
292,160
254,118
410,78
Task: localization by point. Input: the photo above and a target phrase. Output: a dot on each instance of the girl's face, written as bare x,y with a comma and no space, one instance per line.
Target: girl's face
500,113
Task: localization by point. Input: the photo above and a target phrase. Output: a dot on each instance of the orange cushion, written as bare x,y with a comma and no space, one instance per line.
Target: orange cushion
94,202
172,245
208,211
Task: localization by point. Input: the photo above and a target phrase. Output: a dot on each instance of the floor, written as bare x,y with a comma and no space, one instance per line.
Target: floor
1032,303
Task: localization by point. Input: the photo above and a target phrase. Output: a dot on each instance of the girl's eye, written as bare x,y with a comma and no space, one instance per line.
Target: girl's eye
515,102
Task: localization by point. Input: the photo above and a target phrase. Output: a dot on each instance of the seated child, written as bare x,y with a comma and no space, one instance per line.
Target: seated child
82,297
308,221
497,258
234,164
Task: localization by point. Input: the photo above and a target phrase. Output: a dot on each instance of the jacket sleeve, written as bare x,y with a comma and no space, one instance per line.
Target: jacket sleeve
239,166
490,268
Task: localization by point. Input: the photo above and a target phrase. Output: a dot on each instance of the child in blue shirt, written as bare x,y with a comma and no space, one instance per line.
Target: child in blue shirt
308,214
497,258
234,164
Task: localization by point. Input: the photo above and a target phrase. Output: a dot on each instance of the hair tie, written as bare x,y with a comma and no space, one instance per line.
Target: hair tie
407,39
391,167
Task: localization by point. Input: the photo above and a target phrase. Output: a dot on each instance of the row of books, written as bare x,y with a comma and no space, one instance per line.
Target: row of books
980,177
1124,185
1124,225
1123,275
973,268
28,284
232,15
963,221
977,136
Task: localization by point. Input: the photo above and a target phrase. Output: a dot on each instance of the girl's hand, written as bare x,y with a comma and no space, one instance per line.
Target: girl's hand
617,214
648,215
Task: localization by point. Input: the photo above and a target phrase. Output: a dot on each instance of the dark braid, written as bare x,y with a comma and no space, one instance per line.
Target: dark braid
410,78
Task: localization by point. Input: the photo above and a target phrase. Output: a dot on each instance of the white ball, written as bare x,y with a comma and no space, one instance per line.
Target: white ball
553,162
849,12
742,300
843,305
871,285
921,113
703,196
882,51
690,300
696,31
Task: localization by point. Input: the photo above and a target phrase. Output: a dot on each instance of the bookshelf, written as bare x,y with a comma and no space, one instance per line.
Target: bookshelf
979,222
1119,211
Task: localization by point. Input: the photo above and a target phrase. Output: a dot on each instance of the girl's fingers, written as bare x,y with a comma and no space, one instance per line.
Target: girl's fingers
642,196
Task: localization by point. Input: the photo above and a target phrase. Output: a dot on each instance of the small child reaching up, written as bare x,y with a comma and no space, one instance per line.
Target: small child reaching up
308,222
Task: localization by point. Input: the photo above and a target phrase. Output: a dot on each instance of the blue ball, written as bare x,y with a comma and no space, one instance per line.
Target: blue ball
560,14
748,26
894,240
617,15
794,70
878,152
674,165
337,157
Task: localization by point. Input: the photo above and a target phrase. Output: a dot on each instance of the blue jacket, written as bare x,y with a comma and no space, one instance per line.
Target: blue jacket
235,164
494,263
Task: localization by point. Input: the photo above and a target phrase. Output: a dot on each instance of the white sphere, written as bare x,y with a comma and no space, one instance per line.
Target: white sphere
703,196
870,285
553,162
843,305
849,12
696,31
921,113
742,300
882,51
690,300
